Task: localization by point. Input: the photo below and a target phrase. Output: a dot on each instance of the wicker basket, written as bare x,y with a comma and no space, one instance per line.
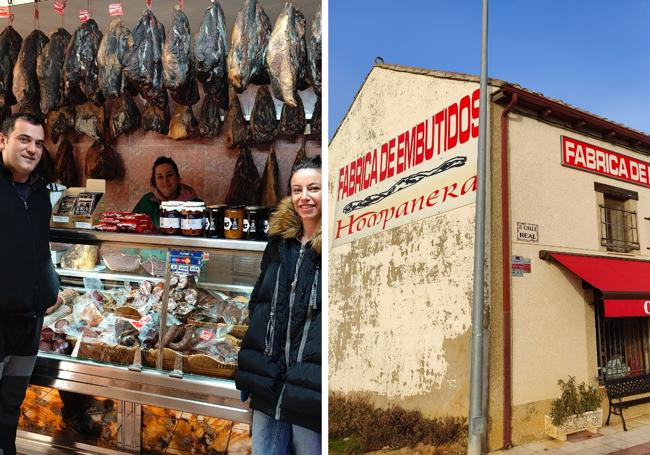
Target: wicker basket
207,366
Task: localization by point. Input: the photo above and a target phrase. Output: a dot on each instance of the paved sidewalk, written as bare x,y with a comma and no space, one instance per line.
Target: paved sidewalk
610,440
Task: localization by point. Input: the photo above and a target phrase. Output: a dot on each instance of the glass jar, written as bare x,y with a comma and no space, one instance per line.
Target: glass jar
214,227
254,223
193,219
170,217
233,222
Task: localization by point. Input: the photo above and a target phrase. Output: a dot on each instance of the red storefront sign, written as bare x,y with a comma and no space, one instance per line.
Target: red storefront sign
597,160
621,308
115,9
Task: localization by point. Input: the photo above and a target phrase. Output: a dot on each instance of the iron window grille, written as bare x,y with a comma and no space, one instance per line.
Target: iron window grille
623,344
618,229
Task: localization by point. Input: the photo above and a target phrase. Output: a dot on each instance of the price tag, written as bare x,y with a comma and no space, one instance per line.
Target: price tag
115,9
5,12
59,6
60,219
84,15
206,335
142,322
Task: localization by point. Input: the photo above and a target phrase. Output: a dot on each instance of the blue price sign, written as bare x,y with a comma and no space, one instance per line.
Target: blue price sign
185,261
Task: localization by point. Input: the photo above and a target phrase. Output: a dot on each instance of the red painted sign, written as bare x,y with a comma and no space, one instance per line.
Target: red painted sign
5,12
597,160
84,15
621,308
115,9
59,6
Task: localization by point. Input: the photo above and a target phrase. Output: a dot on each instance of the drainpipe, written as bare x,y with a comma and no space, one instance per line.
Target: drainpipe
505,239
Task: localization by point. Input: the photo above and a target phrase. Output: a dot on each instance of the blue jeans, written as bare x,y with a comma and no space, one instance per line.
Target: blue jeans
273,437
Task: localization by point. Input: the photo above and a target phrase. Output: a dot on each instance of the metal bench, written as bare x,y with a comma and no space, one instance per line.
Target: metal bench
629,386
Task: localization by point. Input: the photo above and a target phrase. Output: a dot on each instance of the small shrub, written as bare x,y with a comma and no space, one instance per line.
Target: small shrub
574,399
356,426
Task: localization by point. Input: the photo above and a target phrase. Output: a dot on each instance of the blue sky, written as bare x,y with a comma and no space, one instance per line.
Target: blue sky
593,54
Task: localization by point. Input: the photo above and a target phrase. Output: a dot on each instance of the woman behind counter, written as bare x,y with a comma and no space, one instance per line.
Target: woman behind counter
280,356
167,186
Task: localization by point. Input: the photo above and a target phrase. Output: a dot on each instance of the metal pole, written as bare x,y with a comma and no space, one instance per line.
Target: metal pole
476,417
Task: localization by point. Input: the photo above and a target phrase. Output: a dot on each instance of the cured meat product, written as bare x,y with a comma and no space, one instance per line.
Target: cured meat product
4,113
80,67
89,120
263,120
292,119
143,62
178,62
245,182
10,44
209,119
49,70
315,123
25,85
316,53
250,37
60,121
286,55
155,118
270,192
102,162
183,123
211,50
110,58
66,169
47,167
301,155
234,124
124,115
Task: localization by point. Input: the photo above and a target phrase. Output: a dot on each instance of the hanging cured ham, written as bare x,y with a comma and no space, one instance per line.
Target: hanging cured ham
245,183
234,124
263,118
49,70
315,122
316,53
292,119
178,62
10,44
124,115
25,83
143,62
250,38
183,123
110,58
270,192
102,162
46,167
89,120
80,67
60,121
155,118
286,55
209,120
66,169
211,50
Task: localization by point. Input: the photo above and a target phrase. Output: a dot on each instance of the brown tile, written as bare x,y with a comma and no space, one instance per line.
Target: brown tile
42,418
184,435
178,452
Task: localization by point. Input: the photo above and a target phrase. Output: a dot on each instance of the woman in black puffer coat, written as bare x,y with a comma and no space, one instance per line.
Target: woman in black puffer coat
280,356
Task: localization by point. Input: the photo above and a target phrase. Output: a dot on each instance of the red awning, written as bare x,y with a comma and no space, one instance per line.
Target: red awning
613,276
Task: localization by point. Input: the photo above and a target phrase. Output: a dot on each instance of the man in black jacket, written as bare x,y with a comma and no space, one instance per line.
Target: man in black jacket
28,282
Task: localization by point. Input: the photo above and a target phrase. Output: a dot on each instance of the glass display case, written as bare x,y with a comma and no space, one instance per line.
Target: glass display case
148,320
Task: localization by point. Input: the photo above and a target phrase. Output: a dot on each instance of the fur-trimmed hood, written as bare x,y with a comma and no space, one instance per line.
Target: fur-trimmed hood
286,223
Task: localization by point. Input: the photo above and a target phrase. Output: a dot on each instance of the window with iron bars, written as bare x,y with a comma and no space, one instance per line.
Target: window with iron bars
623,344
618,226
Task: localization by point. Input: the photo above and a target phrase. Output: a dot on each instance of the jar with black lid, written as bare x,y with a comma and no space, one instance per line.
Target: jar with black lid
254,223
233,222
193,219
214,227
170,217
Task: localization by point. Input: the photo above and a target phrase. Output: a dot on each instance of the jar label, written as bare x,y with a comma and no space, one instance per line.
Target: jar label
246,224
170,223
227,223
266,226
253,227
192,224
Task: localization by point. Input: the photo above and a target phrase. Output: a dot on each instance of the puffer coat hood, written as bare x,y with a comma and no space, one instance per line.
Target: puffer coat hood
280,356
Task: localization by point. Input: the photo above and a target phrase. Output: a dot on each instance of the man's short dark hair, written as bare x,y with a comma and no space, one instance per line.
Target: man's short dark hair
162,160
10,121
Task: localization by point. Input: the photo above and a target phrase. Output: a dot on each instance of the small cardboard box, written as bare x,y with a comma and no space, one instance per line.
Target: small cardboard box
65,217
